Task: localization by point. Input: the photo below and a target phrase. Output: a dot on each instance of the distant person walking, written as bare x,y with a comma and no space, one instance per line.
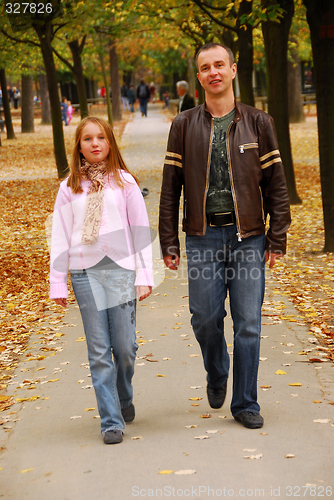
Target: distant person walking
63,107
124,96
101,233
143,94
131,98
186,100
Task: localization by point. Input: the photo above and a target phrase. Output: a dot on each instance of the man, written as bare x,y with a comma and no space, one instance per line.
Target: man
143,94
124,96
186,100
225,156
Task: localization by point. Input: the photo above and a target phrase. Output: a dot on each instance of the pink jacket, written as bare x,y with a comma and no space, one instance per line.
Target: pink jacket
124,234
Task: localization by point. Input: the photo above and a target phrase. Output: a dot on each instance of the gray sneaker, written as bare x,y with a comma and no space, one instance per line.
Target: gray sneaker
113,437
128,413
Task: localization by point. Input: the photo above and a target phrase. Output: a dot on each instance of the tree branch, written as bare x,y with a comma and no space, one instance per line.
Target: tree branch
65,61
18,40
213,18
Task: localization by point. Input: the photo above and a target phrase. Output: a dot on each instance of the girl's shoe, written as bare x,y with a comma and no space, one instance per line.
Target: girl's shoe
113,437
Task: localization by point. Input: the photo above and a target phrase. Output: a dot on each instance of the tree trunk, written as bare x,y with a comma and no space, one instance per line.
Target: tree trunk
191,76
295,100
44,33
27,104
106,86
320,16
115,88
276,48
6,106
76,50
46,109
245,63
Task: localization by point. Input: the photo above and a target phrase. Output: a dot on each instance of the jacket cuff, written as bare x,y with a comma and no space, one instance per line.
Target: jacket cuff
58,291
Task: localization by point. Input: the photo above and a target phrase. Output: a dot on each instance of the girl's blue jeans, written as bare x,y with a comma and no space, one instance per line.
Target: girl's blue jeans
107,304
217,263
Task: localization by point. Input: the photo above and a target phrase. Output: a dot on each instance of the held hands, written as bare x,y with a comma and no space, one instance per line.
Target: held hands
143,291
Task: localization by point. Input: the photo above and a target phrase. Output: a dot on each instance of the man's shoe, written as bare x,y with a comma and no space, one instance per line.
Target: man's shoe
113,437
128,413
216,396
250,419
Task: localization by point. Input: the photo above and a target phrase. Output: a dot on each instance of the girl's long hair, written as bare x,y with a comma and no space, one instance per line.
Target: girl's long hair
114,160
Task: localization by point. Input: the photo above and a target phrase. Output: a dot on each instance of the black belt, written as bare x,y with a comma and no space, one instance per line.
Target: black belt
222,219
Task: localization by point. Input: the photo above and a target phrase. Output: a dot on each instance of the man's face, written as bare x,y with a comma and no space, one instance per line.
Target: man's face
180,90
215,72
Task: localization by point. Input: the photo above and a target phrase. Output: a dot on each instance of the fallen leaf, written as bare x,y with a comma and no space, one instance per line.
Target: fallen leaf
212,431
254,457
89,409
159,375
289,455
296,384
322,420
137,437
26,470
316,401
195,399
166,472
280,372
75,417
191,426
206,415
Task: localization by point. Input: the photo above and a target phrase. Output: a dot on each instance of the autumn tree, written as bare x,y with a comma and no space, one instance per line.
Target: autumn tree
276,36
320,16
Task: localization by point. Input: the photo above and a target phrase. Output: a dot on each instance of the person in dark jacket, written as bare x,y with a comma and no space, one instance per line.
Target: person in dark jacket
225,157
186,100
143,94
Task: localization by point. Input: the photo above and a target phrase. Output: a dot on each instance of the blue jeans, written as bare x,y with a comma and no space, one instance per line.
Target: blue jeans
108,310
217,263
143,105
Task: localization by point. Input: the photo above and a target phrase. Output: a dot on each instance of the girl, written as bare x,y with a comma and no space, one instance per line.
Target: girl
100,231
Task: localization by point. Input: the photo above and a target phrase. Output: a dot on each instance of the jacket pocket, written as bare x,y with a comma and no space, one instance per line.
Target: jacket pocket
250,145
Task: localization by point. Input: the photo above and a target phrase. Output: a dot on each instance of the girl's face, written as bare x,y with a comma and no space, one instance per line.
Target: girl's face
93,143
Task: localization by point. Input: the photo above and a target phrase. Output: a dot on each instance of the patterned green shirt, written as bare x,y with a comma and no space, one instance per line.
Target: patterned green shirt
219,198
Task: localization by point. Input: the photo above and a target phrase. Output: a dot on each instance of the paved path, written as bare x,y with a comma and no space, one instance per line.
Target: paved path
51,454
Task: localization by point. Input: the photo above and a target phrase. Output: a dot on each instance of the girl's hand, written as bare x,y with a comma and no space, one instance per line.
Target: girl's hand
61,302
143,291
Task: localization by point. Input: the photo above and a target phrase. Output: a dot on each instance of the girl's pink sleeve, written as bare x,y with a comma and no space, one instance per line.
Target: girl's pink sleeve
141,233
62,224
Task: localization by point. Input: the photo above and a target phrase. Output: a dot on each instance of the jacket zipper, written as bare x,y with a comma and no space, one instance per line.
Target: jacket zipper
207,178
232,185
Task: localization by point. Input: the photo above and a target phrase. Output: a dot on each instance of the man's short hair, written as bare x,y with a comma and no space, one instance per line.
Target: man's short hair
212,45
183,84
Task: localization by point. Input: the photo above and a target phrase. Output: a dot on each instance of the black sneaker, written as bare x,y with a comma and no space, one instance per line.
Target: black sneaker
113,437
128,413
216,396
250,419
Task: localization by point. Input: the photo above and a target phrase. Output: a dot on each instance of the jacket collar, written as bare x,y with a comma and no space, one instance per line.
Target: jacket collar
238,112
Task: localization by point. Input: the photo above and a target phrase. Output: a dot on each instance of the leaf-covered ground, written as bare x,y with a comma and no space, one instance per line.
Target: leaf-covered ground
28,188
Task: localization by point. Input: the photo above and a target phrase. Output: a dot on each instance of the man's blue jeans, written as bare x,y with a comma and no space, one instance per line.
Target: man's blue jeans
143,105
108,310
217,263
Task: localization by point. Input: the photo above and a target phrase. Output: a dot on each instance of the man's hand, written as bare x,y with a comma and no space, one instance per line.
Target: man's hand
143,291
271,257
61,302
168,260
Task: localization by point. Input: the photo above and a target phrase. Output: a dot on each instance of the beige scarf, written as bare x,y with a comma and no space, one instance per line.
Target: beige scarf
94,205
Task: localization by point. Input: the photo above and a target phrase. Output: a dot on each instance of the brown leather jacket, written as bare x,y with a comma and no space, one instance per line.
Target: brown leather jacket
256,172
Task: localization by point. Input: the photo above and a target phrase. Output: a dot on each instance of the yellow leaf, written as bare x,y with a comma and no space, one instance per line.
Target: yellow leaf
80,339
296,384
54,380
89,409
26,470
195,399
280,372
158,375
165,472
